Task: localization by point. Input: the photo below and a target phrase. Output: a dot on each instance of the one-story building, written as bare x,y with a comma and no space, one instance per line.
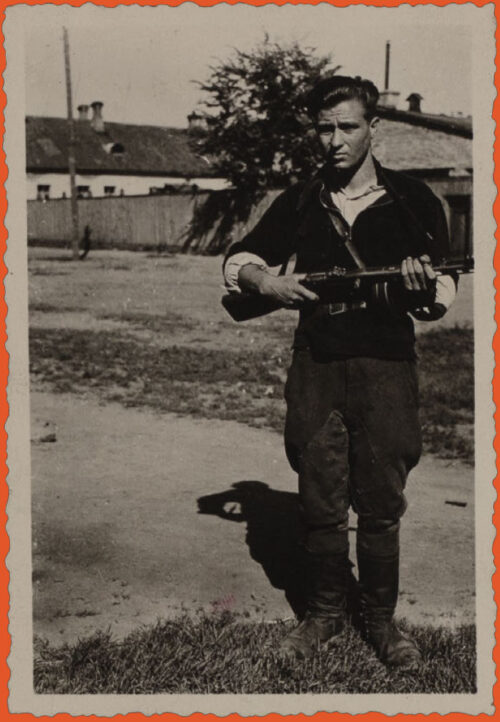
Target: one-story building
437,149
112,159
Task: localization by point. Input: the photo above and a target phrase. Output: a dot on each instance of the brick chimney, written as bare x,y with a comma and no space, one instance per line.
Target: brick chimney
83,111
196,122
414,100
97,121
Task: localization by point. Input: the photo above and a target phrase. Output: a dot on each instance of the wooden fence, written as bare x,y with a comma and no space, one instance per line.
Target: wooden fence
156,221
164,221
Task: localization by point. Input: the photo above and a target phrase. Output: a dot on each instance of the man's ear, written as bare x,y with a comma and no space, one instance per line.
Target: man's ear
374,124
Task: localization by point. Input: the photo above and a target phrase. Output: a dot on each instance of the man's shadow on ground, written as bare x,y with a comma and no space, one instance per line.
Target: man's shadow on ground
273,537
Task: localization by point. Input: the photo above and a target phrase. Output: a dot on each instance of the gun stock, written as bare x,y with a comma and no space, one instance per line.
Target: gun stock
245,306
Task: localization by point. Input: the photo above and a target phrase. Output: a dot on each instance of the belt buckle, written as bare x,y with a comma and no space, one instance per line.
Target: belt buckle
335,308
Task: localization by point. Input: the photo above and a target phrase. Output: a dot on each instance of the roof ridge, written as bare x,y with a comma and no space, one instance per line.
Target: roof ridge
110,122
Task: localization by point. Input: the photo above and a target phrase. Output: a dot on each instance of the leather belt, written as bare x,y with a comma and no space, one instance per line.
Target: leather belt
333,309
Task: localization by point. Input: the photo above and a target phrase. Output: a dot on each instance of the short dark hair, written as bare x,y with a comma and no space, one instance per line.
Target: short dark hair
332,90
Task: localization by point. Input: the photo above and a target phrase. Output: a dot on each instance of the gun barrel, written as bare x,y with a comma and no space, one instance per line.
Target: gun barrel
383,273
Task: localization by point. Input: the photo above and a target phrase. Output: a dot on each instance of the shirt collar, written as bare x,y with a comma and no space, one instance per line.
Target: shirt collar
316,187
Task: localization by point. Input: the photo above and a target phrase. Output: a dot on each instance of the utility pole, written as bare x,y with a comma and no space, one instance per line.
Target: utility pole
387,64
71,150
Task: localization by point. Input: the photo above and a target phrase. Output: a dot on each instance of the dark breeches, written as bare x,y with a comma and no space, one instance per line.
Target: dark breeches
352,433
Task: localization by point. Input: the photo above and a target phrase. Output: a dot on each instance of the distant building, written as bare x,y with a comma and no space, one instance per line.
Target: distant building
437,149
113,159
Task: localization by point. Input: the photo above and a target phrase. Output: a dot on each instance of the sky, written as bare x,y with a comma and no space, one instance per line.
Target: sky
141,62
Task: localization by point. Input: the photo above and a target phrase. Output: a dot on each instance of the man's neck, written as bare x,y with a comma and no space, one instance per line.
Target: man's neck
356,181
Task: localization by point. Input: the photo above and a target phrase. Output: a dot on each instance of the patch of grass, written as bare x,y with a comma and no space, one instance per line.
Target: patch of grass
48,272
245,386
446,370
213,384
219,654
42,307
159,323
446,353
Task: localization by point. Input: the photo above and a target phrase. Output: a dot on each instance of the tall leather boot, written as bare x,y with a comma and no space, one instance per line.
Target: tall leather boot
378,566
325,615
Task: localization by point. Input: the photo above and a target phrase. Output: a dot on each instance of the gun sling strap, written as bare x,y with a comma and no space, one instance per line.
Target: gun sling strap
336,308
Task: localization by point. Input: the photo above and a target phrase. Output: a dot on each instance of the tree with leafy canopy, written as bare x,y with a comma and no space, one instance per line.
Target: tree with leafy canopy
258,134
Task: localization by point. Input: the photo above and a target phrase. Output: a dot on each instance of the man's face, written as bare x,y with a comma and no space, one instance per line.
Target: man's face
345,134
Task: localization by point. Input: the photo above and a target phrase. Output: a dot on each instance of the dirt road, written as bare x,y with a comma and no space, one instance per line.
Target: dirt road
121,542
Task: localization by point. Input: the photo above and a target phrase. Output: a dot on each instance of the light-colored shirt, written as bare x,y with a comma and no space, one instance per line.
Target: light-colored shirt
350,206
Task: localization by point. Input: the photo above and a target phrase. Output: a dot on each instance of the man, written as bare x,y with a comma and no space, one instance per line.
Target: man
352,430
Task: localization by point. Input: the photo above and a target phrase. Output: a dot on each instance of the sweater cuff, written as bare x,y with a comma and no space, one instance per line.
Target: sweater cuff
446,291
233,266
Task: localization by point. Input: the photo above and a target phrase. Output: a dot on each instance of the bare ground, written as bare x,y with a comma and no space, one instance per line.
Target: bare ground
119,537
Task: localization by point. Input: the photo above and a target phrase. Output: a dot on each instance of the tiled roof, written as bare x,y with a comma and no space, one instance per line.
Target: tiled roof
150,150
402,146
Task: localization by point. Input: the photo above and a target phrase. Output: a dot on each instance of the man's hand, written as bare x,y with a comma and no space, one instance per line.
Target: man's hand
418,274
287,290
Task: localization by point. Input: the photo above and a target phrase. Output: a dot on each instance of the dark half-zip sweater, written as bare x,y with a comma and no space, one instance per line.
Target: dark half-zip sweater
406,221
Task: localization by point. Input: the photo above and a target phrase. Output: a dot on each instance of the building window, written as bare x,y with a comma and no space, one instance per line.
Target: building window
83,192
42,193
460,225
109,190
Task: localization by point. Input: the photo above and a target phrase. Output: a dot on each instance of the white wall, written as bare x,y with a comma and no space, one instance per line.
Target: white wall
131,185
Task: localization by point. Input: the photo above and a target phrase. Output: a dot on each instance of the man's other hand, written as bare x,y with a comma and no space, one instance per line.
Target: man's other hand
287,290
418,274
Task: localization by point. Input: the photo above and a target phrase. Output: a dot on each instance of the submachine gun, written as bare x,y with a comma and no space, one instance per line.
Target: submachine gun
337,285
